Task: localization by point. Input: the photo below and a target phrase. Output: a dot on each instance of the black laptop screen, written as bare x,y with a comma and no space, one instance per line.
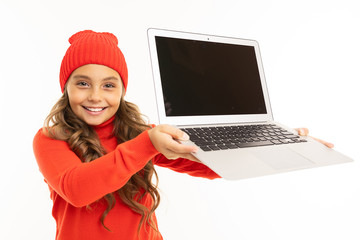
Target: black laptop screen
207,78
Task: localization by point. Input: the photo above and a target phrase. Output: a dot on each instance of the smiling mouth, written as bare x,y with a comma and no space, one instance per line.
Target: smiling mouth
94,109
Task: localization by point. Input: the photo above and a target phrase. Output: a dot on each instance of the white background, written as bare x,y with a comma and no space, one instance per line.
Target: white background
310,51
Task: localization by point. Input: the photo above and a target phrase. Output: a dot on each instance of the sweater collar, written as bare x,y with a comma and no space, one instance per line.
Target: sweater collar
106,128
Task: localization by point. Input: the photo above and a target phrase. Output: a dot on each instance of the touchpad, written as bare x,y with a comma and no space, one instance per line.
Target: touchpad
281,158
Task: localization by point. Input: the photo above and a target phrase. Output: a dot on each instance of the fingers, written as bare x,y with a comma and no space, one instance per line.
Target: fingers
302,131
164,138
176,150
329,145
305,132
179,148
174,132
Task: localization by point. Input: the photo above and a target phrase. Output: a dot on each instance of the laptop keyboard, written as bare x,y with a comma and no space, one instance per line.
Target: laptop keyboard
231,137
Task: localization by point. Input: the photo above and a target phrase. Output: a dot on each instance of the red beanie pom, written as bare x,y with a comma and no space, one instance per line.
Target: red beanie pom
79,35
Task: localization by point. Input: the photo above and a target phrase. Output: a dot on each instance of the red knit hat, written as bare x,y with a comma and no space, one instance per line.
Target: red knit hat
89,47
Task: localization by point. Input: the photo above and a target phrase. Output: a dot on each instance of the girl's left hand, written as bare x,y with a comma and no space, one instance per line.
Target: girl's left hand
305,132
165,140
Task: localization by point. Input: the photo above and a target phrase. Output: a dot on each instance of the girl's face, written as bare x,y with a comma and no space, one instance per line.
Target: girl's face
94,93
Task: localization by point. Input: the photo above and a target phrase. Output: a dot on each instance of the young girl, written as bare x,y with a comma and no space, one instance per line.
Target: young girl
97,154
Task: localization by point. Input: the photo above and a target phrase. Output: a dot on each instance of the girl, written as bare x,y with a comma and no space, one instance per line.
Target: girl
97,154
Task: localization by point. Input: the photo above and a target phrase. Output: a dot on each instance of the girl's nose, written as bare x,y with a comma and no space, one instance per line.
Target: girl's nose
95,95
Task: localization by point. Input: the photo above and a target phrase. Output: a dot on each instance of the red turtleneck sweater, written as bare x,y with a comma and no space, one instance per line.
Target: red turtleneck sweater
74,185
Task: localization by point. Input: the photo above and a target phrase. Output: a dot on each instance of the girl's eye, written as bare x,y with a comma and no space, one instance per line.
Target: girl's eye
82,84
109,85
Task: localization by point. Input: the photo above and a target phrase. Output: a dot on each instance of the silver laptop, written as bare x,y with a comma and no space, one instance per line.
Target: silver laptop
214,89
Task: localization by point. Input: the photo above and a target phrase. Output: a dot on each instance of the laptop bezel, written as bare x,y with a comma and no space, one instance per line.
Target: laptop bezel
207,119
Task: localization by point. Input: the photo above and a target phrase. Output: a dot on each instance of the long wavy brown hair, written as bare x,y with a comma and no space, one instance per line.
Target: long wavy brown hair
63,124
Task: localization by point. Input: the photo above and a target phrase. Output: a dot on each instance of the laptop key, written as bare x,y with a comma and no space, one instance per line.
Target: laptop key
223,147
292,136
254,144
204,148
203,143
214,147
276,141
231,146
283,141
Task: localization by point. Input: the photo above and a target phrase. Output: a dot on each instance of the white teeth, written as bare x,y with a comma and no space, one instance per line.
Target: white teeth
94,109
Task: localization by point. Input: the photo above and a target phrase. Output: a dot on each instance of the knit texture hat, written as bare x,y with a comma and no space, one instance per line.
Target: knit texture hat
89,47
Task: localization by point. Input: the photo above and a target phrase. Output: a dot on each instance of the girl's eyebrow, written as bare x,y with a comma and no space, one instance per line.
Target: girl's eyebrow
111,78
81,76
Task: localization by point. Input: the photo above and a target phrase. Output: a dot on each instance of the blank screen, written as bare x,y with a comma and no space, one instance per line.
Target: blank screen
207,78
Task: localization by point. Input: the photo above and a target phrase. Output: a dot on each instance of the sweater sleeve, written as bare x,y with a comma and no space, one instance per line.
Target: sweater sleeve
183,165
81,183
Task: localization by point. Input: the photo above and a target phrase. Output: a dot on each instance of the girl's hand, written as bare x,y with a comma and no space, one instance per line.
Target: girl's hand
164,138
305,132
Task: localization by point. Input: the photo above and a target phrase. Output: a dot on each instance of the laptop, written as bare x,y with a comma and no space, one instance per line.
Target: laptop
214,89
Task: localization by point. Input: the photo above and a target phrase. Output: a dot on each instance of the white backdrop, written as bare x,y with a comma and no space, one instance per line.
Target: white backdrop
310,51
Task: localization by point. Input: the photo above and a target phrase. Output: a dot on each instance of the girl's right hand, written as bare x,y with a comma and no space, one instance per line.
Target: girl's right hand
164,138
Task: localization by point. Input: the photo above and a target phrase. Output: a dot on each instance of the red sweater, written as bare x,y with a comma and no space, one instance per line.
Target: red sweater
74,185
